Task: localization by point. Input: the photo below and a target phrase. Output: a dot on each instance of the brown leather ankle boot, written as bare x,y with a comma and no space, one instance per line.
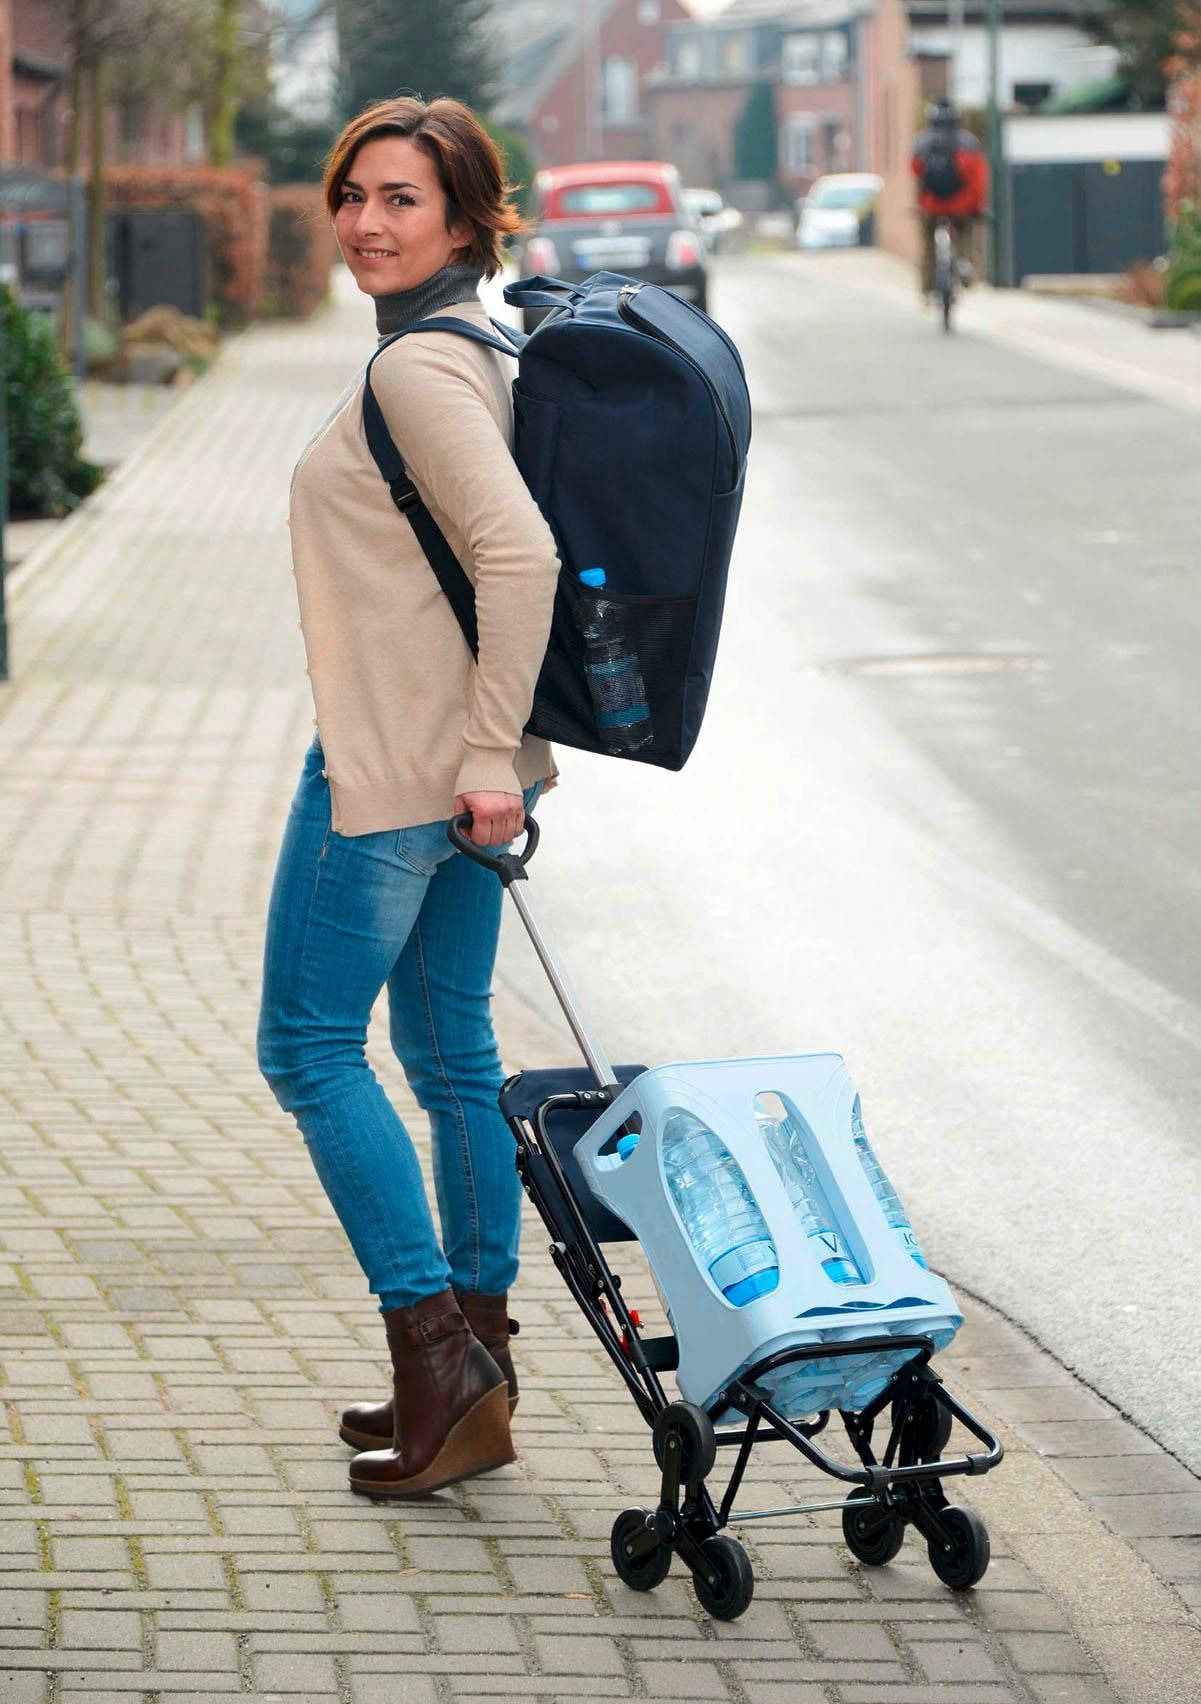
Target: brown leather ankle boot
450,1405
368,1425
488,1317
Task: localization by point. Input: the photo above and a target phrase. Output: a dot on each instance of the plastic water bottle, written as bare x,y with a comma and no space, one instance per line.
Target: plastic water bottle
615,684
720,1215
885,1194
625,1147
797,1174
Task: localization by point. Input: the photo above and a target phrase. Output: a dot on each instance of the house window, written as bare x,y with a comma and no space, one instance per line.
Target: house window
1032,95
194,138
734,56
688,57
619,99
800,59
834,57
797,143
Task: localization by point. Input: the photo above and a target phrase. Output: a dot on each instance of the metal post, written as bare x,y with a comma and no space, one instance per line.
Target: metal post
955,19
77,281
593,146
995,162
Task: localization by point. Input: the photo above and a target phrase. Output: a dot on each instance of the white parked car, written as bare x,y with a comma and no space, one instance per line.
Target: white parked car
836,210
720,226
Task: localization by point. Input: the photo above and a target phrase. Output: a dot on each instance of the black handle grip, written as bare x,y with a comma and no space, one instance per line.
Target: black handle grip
507,865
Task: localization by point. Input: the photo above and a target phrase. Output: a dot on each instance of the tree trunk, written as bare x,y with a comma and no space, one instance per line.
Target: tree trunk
225,98
66,318
96,195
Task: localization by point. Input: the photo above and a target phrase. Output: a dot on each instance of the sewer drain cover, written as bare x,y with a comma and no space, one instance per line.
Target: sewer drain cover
943,663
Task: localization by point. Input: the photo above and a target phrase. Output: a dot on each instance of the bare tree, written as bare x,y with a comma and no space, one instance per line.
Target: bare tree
100,34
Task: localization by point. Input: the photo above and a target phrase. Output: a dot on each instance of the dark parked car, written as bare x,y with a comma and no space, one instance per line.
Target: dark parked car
615,216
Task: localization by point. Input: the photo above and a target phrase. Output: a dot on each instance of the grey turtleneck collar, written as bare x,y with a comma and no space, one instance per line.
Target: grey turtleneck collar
459,282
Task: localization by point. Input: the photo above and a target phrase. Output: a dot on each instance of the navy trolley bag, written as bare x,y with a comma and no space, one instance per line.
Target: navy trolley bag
632,426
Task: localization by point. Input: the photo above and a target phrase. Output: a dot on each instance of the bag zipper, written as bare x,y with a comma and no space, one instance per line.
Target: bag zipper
627,312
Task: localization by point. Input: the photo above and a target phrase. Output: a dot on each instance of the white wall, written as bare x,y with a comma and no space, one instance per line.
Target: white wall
1086,136
1030,53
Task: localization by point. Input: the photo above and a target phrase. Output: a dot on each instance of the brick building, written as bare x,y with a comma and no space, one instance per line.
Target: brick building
805,52
35,101
575,76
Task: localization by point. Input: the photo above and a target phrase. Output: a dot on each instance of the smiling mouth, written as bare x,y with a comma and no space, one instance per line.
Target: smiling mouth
376,254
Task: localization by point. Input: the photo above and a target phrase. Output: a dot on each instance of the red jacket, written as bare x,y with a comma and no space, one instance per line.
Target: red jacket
970,199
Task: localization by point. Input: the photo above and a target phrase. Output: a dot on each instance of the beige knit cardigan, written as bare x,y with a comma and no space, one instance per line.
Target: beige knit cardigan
407,719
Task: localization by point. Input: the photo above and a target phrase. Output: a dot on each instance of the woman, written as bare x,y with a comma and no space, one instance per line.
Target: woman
411,731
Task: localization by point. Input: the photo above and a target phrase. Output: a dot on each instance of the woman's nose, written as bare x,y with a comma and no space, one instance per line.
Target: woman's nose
368,222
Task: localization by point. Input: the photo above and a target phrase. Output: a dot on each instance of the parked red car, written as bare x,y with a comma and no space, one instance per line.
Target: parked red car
615,216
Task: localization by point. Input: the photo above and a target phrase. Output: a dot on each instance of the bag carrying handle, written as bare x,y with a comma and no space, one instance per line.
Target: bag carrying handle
538,292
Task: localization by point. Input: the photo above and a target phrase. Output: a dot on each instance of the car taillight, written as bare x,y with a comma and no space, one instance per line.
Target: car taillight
683,249
541,255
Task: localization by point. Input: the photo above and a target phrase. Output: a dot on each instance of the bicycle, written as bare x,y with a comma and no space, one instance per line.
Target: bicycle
946,269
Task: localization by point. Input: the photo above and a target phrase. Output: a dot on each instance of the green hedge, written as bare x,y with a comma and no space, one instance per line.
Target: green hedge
1182,286
46,473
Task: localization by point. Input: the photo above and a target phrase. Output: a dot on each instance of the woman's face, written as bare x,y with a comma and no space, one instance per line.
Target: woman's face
391,224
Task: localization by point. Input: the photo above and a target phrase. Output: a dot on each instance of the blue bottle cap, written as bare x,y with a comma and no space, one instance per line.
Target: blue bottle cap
626,1145
593,577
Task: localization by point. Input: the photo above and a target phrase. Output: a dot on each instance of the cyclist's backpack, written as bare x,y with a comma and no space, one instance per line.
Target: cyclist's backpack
940,167
632,423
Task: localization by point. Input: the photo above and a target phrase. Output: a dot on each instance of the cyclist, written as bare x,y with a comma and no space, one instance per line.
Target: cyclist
952,175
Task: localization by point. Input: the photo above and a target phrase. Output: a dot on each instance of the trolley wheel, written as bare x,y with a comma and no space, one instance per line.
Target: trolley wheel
694,1429
640,1573
966,1559
927,1430
732,1587
873,1535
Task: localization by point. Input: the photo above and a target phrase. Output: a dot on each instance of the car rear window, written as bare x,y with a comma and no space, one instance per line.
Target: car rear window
607,199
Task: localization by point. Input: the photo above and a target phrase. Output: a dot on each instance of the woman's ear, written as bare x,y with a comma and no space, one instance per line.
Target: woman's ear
459,230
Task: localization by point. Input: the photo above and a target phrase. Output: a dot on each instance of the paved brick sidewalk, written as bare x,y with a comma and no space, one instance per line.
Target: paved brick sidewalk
180,1318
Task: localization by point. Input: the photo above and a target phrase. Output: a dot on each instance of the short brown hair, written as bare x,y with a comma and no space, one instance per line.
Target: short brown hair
469,164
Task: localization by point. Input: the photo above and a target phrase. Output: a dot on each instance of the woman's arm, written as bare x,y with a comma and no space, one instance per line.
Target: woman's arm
430,391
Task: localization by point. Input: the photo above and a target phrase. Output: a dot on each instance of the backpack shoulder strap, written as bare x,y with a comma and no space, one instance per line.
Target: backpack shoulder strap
441,558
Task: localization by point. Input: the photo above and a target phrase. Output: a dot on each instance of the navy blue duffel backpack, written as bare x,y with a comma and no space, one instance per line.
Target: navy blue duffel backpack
632,427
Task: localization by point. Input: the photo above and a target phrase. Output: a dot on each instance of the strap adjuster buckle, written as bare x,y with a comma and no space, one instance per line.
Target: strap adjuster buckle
405,496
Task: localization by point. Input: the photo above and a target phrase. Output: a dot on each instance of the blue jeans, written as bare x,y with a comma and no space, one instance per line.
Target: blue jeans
347,915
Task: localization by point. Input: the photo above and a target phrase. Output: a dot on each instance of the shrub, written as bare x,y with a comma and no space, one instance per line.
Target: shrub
233,205
300,251
1141,285
755,134
46,473
1182,286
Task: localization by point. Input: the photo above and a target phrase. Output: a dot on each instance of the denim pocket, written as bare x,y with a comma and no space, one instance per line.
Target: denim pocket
423,848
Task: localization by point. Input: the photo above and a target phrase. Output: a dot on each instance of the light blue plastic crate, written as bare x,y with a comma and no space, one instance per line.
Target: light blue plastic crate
717,1340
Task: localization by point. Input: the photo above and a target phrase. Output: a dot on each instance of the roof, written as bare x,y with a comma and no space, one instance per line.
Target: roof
606,171
786,13
538,39
1012,11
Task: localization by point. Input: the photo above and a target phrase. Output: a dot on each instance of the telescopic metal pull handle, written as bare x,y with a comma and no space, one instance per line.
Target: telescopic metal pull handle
509,866
511,870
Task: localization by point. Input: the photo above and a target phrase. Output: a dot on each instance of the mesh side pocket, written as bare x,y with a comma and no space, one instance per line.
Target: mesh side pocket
655,632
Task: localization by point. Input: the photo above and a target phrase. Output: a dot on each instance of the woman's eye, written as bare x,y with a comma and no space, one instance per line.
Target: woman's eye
404,200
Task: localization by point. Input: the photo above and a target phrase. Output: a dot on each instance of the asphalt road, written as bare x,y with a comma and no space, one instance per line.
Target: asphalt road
978,879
